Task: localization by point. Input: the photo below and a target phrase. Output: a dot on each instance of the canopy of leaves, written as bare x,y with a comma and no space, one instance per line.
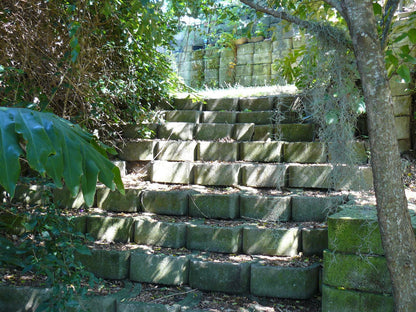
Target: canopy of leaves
54,147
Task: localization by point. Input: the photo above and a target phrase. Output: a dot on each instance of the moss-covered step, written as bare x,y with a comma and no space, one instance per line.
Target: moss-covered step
182,116
216,206
176,131
295,132
115,201
171,202
314,240
175,150
345,300
141,131
226,104
217,151
355,230
261,151
256,103
149,231
226,117
243,132
212,132
358,272
264,175
171,172
217,174
314,208
256,117
265,208
226,277
284,281
110,229
271,241
305,152
263,132
133,306
225,239
142,150
158,268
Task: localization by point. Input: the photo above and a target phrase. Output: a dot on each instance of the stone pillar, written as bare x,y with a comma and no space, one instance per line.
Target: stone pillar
244,69
227,68
197,69
212,65
262,60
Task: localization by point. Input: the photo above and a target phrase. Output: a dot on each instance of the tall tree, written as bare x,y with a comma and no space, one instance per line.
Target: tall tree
398,238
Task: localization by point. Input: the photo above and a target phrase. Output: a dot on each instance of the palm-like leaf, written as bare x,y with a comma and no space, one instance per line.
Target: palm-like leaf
53,146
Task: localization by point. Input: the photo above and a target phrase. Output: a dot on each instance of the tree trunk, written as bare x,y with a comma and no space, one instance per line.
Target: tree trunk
396,230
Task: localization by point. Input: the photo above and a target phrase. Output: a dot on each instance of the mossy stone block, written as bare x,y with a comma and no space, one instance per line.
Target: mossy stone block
261,80
263,132
360,272
295,132
110,229
219,276
264,175
176,150
220,174
226,104
402,125
262,58
213,151
159,268
219,117
187,104
265,208
176,131
214,238
158,233
344,300
243,132
255,103
173,203
22,298
64,199
182,116
305,152
311,176
357,153
109,264
171,172
284,281
271,241
261,151
212,132
134,306
216,206
115,201
138,151
79,223
314,241
314,208
96,303
261,69
134,131
257,117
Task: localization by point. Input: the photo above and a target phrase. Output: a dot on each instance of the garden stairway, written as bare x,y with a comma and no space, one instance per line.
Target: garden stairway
233,197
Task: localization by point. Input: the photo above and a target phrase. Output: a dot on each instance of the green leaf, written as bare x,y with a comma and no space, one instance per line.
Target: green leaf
404,73
412,35
378,10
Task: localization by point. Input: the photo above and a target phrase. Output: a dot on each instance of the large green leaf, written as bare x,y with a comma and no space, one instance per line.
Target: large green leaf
54,147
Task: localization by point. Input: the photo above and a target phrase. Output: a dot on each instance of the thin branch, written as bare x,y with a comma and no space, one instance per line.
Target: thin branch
337,6
318,28
389,10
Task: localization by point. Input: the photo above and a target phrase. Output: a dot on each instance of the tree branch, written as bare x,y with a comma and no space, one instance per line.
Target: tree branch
337,6
389,10
318,28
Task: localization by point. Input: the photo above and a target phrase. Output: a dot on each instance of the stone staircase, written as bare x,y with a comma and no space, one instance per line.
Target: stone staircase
230,195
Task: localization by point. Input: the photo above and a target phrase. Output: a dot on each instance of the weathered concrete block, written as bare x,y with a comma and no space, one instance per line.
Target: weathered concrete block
213,151
187,104
246,69
271,241
220,276
266,208
214,238
138,151
295,132
284,281
264,103
220,174
176,131
171,172
219,117
256,117
243,132
360,272
182,116
176,150
173,203
244,81
261,151
353,178
247,48
115,201
314,241
110,229
212,63
343,300
158,233
217,206
262,46
260,70
311,176
261,80
310,208
402,105
264,58
134,306
305,152
79,224
212,132
159,268
244,59
22,298
399,87
262,175
63,198
226,104
110,264
402,127
263,133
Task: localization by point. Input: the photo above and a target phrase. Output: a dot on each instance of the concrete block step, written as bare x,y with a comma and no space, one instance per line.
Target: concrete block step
223,204
255,151
232,237
278,277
